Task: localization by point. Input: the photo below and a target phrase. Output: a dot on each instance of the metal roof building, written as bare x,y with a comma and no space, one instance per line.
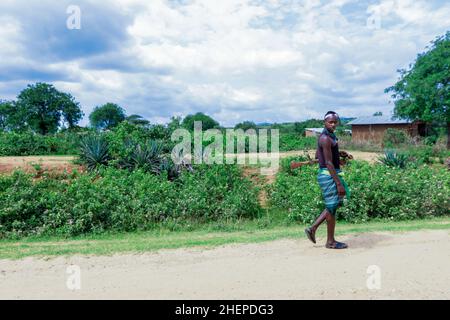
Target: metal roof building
314,132
372,128
387,119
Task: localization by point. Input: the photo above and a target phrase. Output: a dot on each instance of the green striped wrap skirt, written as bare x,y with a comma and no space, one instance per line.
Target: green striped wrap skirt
329,189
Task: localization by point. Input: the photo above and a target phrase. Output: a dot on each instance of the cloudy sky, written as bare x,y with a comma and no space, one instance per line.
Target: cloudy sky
236,60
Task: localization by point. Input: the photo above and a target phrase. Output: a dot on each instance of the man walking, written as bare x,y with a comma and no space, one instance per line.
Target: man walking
331,181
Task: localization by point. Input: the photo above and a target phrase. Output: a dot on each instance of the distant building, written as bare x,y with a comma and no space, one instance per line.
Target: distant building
313,132
372,128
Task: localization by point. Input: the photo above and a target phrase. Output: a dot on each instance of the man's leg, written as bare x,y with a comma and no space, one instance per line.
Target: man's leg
319,220
331,225
311,231
331,242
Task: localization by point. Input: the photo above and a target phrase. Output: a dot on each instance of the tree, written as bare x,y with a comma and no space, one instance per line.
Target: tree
207,121
246,125
11,117
6,110
174,124
423,91
43,108
107,116
71,112
137,120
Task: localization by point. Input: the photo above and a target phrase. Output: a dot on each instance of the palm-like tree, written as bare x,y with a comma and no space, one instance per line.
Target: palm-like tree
137,120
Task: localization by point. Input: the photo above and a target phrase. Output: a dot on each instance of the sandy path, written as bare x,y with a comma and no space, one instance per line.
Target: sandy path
413,265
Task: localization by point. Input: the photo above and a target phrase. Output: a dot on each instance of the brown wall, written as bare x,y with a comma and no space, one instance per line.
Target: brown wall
375,132
310,133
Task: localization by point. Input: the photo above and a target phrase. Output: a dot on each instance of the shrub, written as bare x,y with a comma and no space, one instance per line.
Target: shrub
427,154
123,138
394,137
421,155
29,143
289,142
116,200
212,192
24,205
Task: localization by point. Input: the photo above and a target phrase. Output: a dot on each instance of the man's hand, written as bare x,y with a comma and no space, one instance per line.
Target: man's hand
341,190
345,154
295,165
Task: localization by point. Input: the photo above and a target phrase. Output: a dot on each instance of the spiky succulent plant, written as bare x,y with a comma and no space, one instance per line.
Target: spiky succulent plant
94,151
394,159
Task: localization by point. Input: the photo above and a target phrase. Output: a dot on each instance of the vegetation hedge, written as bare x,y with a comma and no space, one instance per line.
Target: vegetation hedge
377,192
289,142
119,200
29,143
120,139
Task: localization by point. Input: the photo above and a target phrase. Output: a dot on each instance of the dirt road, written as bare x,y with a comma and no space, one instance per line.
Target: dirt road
413,265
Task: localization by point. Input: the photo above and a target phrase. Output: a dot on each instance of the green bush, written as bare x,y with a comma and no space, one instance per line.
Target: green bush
217,191
289,142
24,204
427,154
123,138
116,200
421,155
29,143
394,137
377,192
119,200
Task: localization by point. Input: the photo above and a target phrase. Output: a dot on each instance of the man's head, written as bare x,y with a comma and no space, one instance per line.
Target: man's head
331,120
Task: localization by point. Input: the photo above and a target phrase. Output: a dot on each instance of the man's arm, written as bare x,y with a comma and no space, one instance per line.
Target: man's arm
325,142
345,154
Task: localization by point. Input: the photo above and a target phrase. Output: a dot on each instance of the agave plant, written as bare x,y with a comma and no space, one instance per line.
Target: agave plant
94,152
393,159
146,156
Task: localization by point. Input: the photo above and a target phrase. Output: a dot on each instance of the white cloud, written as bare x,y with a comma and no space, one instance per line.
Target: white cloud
277,60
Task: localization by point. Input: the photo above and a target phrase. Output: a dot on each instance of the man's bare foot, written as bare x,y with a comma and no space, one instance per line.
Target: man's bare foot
336,245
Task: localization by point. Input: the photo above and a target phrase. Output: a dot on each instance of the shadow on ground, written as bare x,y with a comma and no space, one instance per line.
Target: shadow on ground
366,240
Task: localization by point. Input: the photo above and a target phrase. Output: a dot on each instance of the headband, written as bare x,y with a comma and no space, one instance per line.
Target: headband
330,115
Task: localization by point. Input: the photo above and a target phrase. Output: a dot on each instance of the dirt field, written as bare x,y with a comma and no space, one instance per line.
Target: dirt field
358,155
56,163
413,265
61,163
